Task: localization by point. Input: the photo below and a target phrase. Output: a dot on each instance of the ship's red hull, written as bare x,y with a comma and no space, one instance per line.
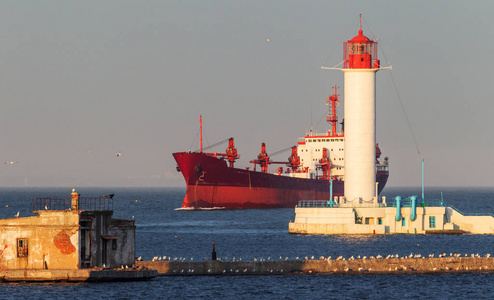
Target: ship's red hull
211,183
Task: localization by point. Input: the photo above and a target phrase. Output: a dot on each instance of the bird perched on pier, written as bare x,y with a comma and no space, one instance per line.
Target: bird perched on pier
17,215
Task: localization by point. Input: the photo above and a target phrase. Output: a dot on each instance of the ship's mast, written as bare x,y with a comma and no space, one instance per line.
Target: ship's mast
200,123
332,101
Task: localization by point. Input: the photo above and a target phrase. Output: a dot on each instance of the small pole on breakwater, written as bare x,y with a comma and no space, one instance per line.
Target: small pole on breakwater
213,254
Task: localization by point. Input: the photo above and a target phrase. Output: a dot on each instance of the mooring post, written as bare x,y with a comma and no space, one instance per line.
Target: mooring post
213,254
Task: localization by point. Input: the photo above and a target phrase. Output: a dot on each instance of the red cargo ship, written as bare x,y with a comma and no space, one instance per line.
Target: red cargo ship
213,181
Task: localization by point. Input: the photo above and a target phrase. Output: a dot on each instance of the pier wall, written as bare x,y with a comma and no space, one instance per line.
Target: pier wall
76,275
324,266
477,224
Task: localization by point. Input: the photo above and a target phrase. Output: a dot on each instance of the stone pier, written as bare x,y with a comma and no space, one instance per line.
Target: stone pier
324,266
77,275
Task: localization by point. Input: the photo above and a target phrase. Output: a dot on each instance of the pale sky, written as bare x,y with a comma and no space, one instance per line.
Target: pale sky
83,80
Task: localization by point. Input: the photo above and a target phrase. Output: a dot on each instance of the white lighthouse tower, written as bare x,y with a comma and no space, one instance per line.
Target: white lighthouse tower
360,65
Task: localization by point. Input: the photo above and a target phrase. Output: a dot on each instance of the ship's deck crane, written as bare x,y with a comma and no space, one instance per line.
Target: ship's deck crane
263,159
231,153
325,164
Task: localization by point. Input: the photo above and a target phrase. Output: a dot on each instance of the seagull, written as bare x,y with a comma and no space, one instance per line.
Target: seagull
10,162
176,236
135,201
46,207
17,215
132,218
118,154
268,40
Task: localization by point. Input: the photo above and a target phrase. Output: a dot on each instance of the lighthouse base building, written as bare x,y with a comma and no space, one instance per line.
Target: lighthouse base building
398,216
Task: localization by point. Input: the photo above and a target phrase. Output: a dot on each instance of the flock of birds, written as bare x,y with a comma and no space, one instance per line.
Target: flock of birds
395,256
11,162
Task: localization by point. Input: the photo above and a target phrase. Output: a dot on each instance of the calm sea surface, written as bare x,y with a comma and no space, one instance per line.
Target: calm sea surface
249,234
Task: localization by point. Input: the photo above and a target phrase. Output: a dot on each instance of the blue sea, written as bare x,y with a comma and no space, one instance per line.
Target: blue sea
165,230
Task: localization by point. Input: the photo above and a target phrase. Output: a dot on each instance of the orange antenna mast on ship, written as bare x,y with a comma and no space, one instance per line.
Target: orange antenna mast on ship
332,101
200,122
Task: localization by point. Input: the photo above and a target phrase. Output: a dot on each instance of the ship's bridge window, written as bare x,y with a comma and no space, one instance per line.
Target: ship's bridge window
319,140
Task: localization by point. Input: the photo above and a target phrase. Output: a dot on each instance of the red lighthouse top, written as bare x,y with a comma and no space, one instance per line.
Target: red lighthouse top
360,52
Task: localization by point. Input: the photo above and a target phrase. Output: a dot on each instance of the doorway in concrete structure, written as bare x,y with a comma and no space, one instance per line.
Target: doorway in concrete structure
106,247
85,250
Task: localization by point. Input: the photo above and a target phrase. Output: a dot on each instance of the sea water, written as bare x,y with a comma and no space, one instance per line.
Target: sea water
163,229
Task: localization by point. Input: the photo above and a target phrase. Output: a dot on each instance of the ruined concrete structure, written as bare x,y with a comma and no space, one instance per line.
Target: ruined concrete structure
67,233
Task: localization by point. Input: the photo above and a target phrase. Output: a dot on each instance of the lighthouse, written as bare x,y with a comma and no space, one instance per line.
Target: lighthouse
360,65
360,212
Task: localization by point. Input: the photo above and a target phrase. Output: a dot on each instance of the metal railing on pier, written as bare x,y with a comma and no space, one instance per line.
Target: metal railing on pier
407,202
83,203
316,203
471,214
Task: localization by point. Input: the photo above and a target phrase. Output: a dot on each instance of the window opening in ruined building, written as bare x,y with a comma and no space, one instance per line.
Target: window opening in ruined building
114,244
22,248
432,222
403,221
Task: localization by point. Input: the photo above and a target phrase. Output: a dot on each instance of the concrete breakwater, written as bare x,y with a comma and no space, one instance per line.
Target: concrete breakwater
325,266
76,275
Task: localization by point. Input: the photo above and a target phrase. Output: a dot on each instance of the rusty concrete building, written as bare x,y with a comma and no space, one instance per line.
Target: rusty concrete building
67,233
